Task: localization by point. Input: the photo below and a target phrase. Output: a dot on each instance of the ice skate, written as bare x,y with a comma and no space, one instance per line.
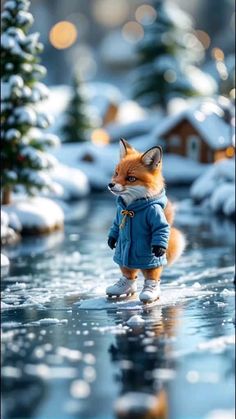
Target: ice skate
123,286
150,292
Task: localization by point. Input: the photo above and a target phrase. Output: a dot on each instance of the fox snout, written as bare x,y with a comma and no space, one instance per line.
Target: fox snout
115,188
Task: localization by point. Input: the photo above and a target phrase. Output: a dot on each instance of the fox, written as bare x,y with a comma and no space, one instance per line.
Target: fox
142,232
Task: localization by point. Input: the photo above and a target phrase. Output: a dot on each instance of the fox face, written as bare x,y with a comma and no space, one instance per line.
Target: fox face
137,175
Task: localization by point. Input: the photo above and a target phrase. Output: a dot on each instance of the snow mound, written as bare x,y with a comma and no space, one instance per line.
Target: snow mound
4,261
39,215
215,189
73,182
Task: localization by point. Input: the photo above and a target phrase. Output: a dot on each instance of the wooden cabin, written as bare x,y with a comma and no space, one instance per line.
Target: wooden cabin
200,133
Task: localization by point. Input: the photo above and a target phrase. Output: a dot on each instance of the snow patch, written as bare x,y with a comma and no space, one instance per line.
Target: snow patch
169,296
36,213
216,188
217,344
4,261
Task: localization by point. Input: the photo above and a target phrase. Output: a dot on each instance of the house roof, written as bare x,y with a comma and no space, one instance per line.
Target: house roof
207,117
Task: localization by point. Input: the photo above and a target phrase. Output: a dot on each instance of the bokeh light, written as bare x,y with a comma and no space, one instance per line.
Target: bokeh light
145,14
200,116
203,37
109,13
132,32
230,151
190,40
222,70
63,34
217,54
170,76
100,137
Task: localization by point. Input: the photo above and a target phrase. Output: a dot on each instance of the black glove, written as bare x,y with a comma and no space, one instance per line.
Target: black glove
158,251
111,242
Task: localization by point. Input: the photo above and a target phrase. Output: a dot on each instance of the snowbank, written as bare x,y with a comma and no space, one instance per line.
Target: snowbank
215,190
36,215
4,261
9,229
73,182
98,162
5,264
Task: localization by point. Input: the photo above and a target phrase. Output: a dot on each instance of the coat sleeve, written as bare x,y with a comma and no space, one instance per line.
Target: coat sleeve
159,226
114,231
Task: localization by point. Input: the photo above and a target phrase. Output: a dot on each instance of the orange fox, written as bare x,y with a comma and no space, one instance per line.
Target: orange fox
142,232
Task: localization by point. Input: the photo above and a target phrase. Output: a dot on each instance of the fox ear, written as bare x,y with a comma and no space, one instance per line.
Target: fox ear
152,157
125,148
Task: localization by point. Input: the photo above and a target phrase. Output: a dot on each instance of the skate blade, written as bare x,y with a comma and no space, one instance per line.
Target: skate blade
147,303
119,297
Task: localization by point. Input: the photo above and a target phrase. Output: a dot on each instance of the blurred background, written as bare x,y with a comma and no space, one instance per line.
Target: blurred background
99,36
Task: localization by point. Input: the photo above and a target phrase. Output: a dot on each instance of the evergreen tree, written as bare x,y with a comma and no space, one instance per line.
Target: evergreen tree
24,159
165,52
77,122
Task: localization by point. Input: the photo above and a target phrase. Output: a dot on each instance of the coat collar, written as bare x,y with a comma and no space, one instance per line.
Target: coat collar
141,203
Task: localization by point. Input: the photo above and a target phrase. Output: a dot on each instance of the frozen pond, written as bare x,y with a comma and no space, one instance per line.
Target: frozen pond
61,362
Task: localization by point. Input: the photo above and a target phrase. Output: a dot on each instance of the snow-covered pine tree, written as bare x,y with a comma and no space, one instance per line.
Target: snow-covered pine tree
77,122
167,48
24,159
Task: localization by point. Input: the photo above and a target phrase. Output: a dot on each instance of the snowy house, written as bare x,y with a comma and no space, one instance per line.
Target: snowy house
203,132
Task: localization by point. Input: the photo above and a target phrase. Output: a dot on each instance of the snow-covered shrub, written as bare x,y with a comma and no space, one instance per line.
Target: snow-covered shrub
215,189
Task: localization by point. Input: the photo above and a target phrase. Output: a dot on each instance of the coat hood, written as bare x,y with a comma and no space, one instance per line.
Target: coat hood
140,204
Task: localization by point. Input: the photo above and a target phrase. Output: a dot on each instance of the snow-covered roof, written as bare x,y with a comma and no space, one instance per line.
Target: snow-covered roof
207,118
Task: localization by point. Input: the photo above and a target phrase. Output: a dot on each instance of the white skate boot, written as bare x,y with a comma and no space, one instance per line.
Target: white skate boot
150,292
123,286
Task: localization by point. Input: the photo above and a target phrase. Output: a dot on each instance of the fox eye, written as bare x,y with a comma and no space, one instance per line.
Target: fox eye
116,173
131,178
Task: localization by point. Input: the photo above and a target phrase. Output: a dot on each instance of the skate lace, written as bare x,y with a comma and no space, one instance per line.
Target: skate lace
122,281
150,287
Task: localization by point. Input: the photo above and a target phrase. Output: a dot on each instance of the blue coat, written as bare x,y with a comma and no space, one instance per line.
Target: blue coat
138,231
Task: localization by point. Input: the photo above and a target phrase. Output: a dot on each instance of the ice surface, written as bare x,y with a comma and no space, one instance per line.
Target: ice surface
73,352
169,296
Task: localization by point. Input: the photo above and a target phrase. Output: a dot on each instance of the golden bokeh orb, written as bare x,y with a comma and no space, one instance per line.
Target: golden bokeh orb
63,34
100,137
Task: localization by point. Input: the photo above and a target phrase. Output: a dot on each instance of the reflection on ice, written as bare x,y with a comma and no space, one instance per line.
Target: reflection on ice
122,356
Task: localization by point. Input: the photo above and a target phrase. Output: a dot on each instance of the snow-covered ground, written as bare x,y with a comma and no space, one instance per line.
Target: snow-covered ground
98,162
215,189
